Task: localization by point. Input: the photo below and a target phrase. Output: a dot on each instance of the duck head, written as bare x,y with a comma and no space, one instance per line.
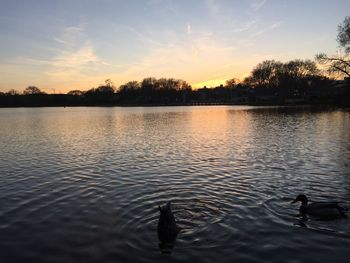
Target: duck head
302,199
165,211
167,228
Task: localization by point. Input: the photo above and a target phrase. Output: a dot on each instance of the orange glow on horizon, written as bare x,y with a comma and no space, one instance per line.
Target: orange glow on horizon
209,83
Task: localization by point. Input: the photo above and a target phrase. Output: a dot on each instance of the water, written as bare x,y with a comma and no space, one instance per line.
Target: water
84,184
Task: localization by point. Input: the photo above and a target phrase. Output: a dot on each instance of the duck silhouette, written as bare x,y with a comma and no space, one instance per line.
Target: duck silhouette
322,210
167,228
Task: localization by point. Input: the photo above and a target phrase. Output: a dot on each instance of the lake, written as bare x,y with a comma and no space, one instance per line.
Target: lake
84,184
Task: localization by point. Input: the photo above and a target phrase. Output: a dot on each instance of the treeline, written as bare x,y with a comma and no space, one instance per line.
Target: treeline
294,82
150,91
270,83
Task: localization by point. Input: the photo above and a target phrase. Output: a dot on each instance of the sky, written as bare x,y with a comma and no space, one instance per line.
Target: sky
63,45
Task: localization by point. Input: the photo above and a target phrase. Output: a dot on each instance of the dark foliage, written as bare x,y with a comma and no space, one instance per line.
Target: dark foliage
270,83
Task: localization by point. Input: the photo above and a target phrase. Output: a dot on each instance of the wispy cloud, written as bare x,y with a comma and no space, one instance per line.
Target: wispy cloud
75,61
245,27
70,53
189,29
75,51
28,61
191,60
72,62
268,28
69,35
258,4
140,36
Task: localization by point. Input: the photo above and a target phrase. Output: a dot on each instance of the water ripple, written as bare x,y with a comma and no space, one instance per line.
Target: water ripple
88,188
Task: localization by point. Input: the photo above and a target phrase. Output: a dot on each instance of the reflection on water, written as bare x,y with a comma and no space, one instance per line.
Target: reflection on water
84,184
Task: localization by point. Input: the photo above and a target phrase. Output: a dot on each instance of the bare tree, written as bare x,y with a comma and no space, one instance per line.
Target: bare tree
339,64
30,90
299,69
265,74
344,34
231,83
109,83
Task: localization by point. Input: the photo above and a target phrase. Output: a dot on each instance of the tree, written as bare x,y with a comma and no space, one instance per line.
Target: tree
104,93
265,74
105,89
231,83
344,34
182,85
127,92
76,93
109,83
300,69
339,64
12,92
31,90
152,90
131,85
295,73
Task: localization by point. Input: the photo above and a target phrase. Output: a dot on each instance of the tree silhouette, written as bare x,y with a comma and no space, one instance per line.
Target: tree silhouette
339,64
299,69
12,92
231,83
104,94
265,74
271,82
109,83
76,93
32,90
344,34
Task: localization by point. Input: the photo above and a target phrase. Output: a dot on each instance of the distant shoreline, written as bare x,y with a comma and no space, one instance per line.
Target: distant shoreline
181,105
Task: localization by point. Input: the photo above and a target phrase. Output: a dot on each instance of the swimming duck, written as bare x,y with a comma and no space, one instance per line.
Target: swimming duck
167,228
320,209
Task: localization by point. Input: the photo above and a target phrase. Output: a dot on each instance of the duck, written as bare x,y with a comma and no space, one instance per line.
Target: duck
167,227
324,210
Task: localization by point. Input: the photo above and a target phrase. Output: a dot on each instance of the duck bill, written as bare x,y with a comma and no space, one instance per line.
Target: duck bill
294,201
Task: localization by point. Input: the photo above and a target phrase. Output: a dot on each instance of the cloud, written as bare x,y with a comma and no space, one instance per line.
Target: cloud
74,55
75,61
82,56
141,36
245,27
29,61
72,62
201,57
258,4
189,29
268,28
69,34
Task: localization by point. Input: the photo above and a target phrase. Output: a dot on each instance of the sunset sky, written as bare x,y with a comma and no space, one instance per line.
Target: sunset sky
61,45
